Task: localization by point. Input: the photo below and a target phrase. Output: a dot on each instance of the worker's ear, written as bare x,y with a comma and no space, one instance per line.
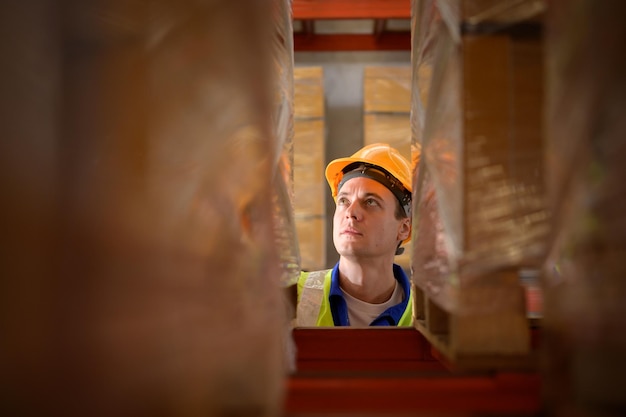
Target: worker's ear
404,229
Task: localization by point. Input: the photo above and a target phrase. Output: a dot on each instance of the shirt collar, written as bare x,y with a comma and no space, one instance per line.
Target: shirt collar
338,306
389,317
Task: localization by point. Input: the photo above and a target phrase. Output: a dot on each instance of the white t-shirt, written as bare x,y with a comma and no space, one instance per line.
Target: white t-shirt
361,314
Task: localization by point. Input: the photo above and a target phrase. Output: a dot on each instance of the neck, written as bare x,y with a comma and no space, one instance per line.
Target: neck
372,282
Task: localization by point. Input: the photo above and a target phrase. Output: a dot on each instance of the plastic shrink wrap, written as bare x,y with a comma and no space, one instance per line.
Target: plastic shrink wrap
480,217
584,285
140,267
287,240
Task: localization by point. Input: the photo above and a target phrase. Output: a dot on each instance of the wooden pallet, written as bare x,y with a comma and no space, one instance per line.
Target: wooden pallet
472,334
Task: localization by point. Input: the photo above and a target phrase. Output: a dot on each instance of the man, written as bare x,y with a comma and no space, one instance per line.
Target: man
372,192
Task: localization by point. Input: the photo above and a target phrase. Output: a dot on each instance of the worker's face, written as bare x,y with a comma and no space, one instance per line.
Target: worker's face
365,223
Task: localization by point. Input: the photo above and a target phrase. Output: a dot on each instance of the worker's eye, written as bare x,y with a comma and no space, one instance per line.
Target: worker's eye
342,201
370,202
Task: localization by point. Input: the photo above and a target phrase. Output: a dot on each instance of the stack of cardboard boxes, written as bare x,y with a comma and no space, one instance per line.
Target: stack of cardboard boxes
386,116
387,106
584,281
309,163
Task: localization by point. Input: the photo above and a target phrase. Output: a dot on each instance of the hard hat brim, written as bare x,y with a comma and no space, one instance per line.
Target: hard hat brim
333,171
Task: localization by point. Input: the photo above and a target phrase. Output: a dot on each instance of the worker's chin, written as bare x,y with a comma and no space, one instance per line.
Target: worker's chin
349,250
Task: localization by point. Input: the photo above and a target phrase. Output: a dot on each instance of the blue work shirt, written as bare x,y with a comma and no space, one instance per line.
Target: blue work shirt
389,317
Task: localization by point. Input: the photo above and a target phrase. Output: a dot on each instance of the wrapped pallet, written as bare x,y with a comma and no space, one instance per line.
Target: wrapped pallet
309,163
283,200
141,274
584,283
287,240
480,218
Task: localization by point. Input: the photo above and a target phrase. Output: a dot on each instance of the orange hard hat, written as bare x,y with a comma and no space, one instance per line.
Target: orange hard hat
396,175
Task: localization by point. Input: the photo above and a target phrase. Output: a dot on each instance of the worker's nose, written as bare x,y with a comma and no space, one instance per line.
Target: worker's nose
353,211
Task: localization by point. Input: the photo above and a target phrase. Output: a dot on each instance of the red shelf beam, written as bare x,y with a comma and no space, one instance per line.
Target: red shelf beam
393,372
349,349
502,394
351,9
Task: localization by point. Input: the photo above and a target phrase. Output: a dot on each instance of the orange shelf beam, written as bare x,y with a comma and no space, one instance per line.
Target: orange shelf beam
351,9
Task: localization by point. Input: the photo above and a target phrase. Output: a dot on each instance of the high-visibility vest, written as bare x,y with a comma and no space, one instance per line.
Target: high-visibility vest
314,305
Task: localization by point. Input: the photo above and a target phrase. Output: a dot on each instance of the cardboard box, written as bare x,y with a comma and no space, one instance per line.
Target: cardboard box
394,129
387,89
308,174
308,92
312,240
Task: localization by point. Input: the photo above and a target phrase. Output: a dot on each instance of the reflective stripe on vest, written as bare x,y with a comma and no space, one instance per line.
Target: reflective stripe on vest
407,316
311,294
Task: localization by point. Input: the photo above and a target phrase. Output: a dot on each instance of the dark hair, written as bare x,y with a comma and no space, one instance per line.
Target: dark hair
400,213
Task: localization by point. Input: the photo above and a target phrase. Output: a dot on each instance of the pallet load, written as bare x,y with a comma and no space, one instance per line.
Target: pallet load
480,217
309,164
140,273
283,185
583,279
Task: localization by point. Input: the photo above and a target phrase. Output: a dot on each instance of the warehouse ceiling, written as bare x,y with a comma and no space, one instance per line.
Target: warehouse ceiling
351,25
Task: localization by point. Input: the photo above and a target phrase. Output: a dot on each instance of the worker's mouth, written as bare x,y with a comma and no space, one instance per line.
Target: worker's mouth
351,232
